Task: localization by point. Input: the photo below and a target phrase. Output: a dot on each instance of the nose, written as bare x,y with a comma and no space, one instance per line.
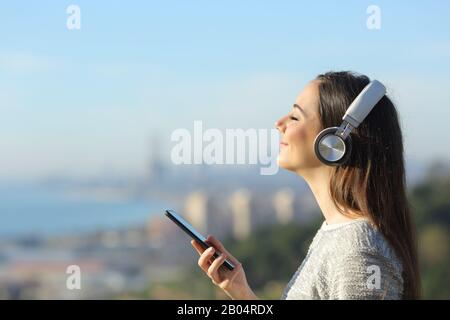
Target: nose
280,125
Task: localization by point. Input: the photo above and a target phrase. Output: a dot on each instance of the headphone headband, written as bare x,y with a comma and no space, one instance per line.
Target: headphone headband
364,103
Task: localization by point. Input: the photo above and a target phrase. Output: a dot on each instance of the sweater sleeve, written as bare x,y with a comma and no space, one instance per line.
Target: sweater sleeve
365,275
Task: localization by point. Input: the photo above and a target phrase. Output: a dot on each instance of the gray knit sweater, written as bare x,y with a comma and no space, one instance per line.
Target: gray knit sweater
351,260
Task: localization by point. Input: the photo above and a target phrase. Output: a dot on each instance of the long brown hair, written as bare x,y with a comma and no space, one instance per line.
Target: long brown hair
372,181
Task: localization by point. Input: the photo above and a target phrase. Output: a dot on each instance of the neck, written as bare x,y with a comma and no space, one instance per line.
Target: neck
318,180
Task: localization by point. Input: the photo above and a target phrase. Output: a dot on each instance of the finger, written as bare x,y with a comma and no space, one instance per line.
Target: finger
218,245
204,259
213,270
197,247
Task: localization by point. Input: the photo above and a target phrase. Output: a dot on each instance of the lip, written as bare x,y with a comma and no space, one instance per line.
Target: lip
283,144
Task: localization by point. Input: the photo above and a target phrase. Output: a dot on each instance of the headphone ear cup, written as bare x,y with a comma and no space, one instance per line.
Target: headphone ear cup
348,151
347,142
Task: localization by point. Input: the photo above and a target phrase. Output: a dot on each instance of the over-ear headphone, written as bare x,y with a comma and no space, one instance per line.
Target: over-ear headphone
333,145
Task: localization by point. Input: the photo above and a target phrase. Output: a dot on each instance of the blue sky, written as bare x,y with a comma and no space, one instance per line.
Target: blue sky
83,102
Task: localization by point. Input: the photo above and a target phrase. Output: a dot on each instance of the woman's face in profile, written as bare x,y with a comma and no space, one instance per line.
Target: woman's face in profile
298,129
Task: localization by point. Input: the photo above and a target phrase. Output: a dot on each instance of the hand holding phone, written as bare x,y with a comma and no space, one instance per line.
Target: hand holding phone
194,234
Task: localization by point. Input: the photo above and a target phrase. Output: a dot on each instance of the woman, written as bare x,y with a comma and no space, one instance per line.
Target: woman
365,248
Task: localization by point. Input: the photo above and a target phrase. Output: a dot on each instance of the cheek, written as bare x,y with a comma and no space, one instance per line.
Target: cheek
301,138
301,148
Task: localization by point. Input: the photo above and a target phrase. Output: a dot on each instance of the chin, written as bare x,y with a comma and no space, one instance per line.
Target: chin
282,163
286,165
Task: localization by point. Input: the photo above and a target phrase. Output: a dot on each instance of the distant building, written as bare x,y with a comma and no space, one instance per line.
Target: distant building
196,209
110,239
133,238
283,202
159,230
240,207
156,168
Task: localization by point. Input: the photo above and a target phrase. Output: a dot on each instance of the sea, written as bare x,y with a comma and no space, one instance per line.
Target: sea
27,209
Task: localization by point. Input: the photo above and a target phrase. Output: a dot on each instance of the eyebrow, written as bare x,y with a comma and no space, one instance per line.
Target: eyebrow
299,108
